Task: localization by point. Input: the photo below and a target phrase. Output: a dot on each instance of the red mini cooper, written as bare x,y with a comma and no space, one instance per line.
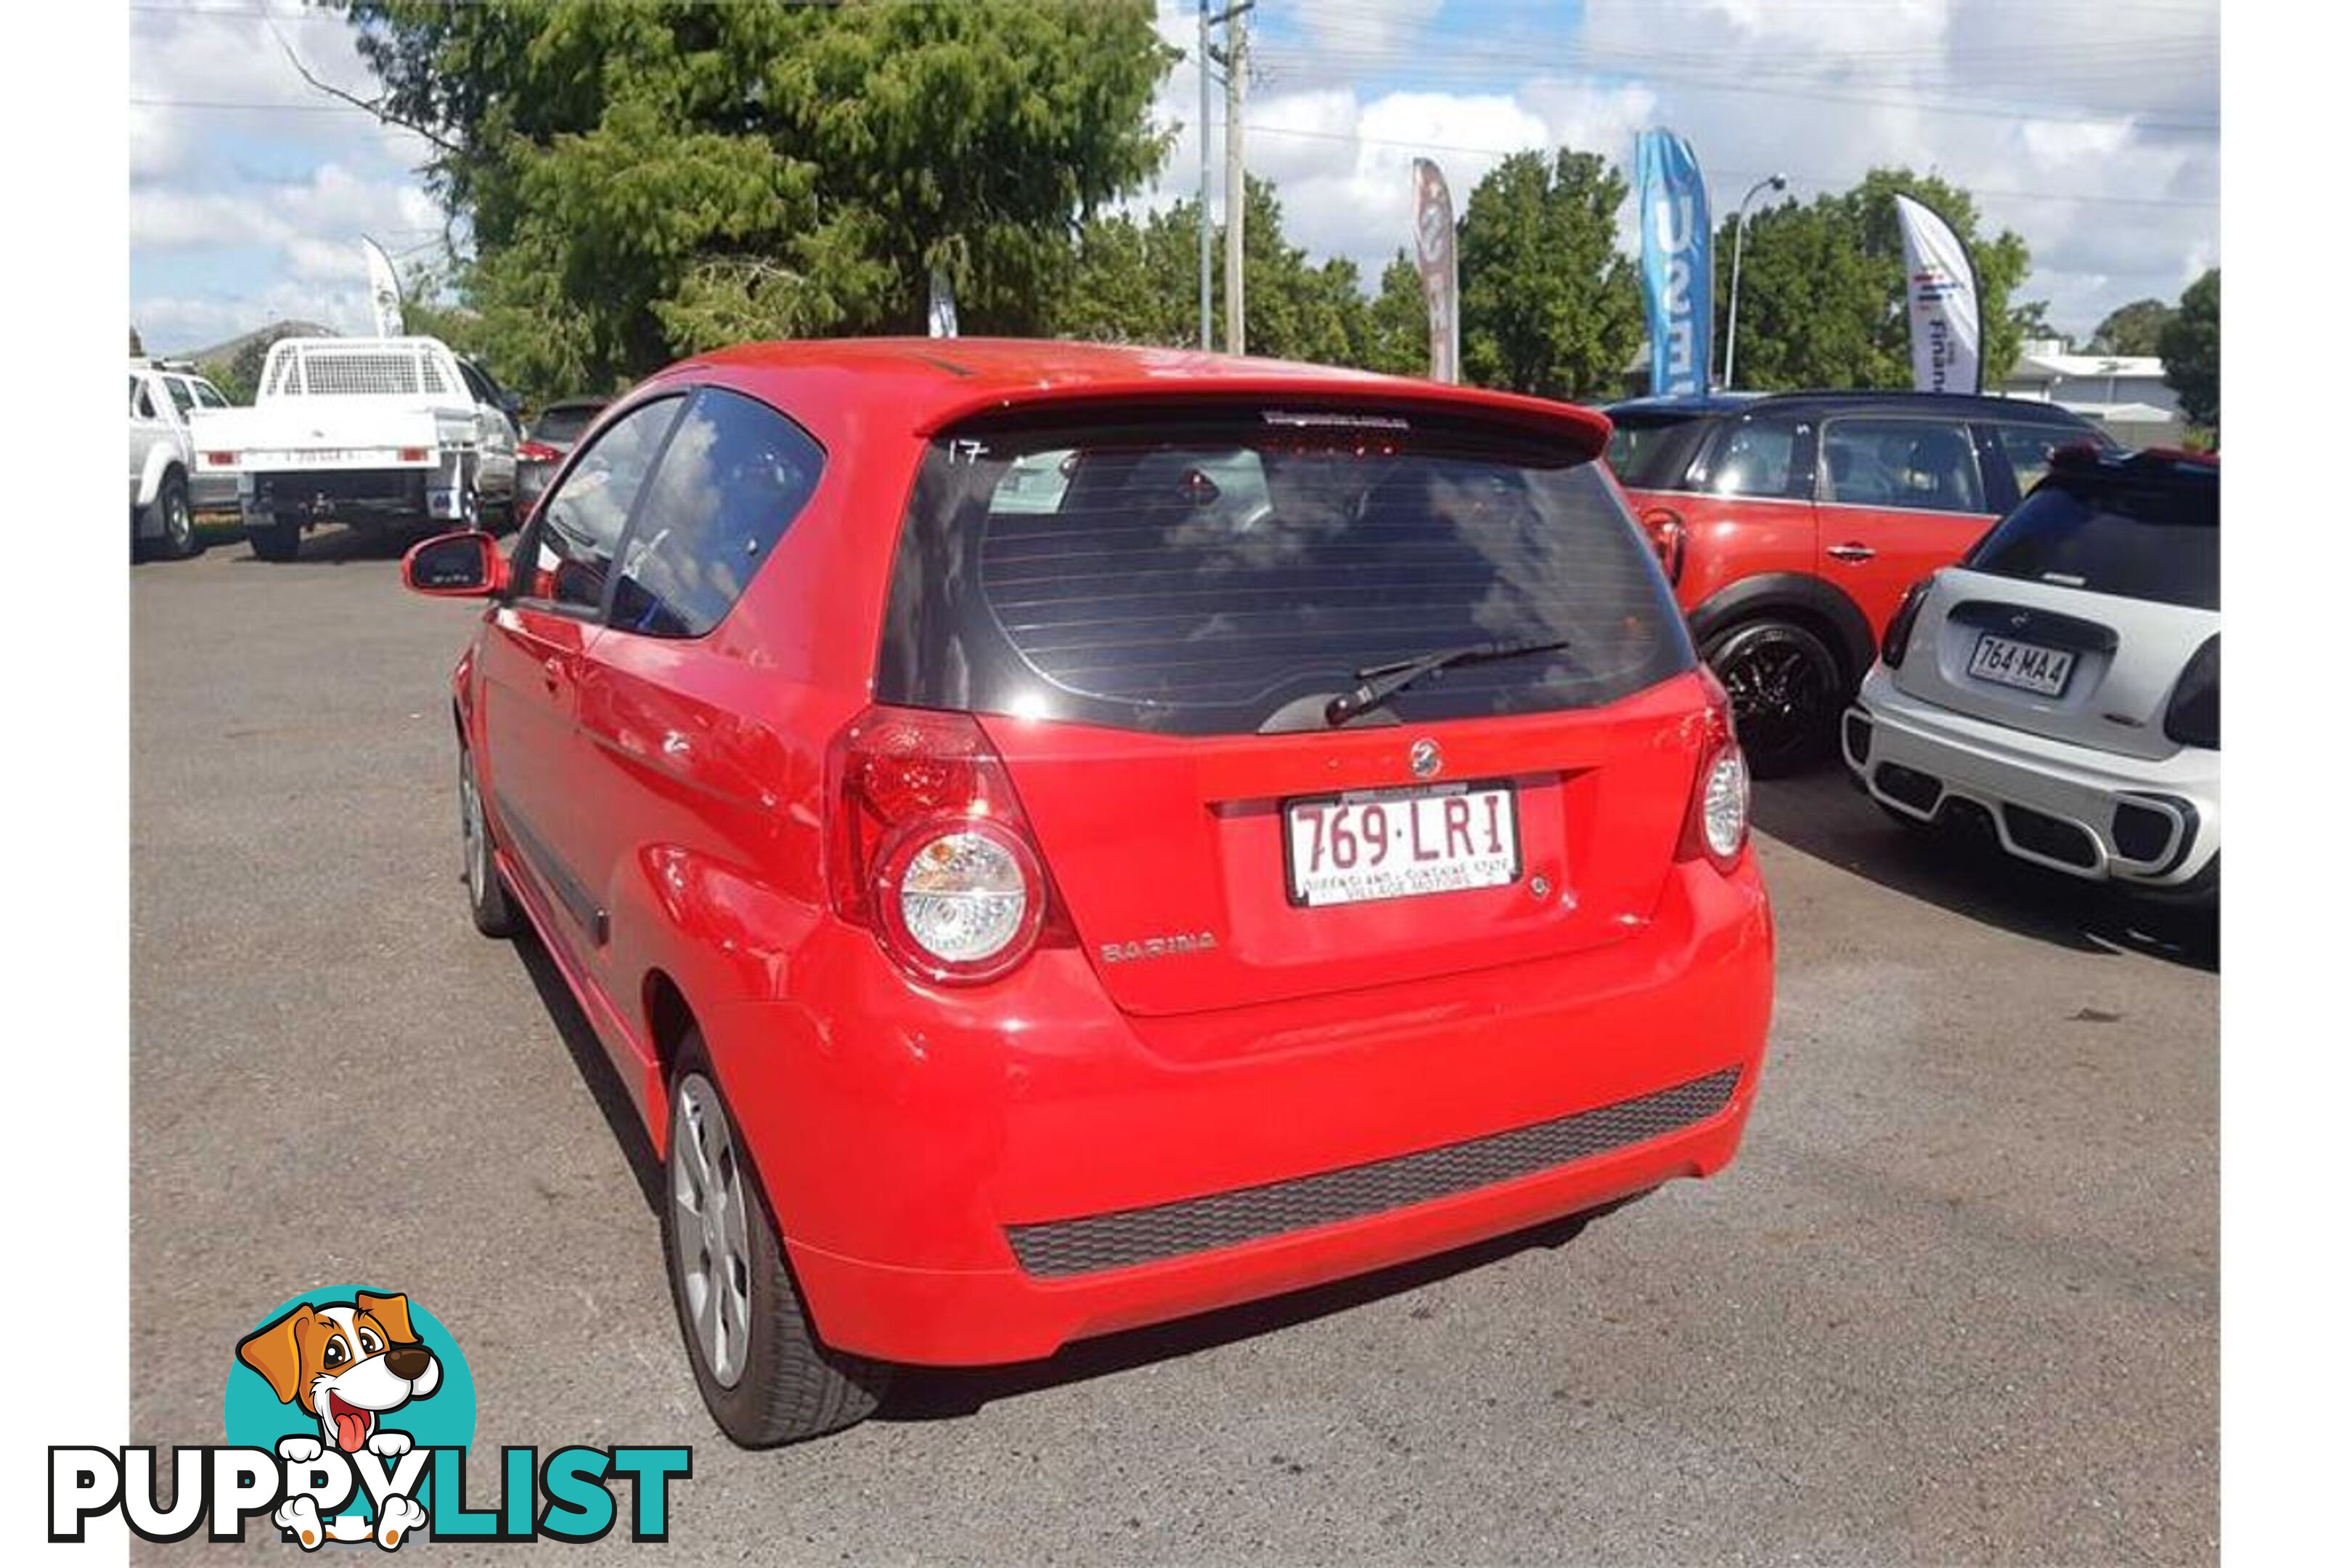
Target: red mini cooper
1059,837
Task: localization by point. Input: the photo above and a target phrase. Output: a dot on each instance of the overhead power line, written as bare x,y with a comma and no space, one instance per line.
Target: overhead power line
1255,129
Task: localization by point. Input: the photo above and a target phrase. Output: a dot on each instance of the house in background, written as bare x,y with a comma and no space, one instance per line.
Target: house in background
2124,393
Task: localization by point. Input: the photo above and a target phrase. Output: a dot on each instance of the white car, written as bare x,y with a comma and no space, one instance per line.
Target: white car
2062,685
374,432
166,489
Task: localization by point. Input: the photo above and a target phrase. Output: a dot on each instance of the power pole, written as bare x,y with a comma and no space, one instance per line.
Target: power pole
1203,57
1234,59
1236,179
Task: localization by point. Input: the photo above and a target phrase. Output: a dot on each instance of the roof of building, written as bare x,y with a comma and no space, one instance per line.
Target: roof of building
2045,358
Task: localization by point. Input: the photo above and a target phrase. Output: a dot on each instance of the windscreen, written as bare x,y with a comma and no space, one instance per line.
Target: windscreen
1222,572
2139,537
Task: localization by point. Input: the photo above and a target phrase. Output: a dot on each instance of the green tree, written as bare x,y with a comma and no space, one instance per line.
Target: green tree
2190,345
240,375
138,350
1138,281
1293,309
2132,330
1550,305
1809,308
1821,300
1133,281
1396,323
644,179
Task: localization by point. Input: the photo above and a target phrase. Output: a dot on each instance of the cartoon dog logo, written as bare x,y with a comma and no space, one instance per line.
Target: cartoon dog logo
347,1364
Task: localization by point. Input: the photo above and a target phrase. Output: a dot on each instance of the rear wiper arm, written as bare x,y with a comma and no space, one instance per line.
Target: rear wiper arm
1383,681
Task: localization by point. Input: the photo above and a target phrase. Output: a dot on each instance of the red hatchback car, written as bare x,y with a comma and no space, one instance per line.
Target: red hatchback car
1059,837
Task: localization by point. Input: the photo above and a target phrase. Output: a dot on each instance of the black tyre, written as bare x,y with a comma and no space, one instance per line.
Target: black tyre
177,541
2199,895
279,539
1787,690
487,898
762,1371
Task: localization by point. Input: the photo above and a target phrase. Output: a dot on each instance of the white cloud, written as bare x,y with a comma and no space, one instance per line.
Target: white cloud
232,152
2085,126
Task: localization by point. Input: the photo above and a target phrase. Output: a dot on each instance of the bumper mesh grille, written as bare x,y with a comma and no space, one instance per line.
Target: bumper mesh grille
1130,1237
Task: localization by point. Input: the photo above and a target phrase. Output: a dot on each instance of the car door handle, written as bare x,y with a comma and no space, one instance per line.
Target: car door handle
551,671
1852,552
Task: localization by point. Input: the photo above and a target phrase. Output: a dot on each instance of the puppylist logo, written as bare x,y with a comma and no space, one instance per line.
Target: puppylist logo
348,1413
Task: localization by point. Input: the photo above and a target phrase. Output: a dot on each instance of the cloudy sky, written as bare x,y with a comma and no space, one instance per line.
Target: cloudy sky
2093,129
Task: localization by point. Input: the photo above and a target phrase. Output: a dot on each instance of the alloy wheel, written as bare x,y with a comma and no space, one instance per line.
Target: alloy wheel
1783,696
179,523
474,836
710,1236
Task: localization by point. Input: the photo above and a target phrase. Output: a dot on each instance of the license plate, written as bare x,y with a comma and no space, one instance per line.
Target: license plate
324,457
1400,844
2027,666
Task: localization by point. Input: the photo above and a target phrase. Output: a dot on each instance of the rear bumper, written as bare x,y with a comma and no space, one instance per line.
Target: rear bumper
2154,824
956,1189
403,494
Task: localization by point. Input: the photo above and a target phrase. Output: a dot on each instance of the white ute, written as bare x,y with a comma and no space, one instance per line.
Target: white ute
166,492
374,432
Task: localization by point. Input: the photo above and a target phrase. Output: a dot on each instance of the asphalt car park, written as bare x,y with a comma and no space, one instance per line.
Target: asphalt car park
1956,1300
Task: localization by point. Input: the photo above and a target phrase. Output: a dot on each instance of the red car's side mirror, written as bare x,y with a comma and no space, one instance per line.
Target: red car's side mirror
465,566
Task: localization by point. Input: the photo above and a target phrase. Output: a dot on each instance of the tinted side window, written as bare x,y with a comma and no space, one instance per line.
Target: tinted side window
182,398
574,532
2028,449
1652,452
208,396
1925,464
141,406
1755,459
732,480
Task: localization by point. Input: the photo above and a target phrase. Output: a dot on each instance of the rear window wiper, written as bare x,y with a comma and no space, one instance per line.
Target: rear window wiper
1383,681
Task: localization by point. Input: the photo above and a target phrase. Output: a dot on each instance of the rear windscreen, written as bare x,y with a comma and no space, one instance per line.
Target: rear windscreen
1204,573
2133,538
563,424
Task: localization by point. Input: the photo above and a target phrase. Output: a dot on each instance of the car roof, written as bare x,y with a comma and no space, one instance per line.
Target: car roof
930,383
2025,409
2159,463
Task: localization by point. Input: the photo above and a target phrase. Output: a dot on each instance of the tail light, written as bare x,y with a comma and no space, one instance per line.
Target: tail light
1668,538
536,452
220,459
928,847
414,454
1897,641
2193,717
1714,829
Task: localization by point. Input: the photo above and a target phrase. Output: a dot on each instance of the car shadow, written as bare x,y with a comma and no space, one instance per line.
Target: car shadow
596,1072
1824,813
338,545
939,1393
